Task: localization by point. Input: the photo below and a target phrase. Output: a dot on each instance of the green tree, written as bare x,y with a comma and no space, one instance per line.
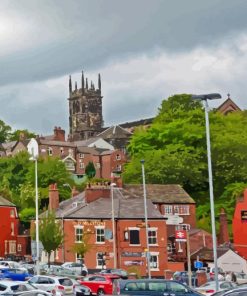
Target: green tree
5,131
50,233
90,170
175,152
15,136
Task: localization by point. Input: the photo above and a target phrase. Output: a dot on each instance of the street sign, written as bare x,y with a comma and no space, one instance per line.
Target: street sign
198,264
180,235
174,220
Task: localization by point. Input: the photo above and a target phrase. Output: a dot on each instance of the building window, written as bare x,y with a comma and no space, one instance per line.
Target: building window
182,227
61,151
119,168
97,165
12,247
100,235
134,236
49,150
12,225
152,236
81,165
79,258
100,261
168,210
19,247
118,157
169,248
12,213
182,210
78,234
154,261
81,155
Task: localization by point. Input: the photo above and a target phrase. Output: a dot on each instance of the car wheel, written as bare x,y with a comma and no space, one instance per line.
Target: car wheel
100,292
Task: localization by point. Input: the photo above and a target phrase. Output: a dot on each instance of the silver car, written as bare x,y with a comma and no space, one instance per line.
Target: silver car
63,285
13,287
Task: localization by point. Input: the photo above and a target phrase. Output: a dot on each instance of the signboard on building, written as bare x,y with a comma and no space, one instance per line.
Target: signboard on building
133,263
174,220
180,235
131,254
244,216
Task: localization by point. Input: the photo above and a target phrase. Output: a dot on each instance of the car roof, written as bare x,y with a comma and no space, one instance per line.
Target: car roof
52,276
11,283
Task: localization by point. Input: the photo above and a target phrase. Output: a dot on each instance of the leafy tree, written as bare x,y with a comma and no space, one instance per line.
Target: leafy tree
26,215
90,170
50,233
175,152
15,136
5,131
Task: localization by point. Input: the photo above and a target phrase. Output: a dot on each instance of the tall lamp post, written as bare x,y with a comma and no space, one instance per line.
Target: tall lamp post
146,218
33,149
113,226
205,98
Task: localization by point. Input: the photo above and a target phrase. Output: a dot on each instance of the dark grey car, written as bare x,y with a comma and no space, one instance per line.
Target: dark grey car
155,287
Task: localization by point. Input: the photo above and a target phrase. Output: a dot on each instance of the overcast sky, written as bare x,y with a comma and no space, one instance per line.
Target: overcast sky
144,50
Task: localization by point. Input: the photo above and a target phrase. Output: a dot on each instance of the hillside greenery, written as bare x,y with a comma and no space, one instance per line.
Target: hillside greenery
174,150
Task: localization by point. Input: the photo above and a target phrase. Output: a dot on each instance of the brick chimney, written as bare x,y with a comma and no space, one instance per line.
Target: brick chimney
59,134
53,197
223,234
94,192
74,192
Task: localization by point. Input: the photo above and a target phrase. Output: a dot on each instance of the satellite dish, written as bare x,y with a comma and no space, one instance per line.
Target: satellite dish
33,149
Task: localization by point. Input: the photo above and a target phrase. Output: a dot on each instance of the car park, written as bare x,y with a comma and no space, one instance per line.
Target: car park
15,274
123,274
101,284
155,287
209,288
14,287
63,285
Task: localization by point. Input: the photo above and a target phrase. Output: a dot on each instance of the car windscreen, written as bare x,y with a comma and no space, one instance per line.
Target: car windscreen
65,282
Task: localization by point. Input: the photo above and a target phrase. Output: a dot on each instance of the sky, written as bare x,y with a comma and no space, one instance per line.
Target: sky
145,51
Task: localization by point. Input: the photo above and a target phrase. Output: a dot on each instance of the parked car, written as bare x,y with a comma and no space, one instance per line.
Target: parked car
209,288
183,277
15,274
79,268
155,287
120,272
11,264
241,277
64,285
81,290
101,284
13,288
239,291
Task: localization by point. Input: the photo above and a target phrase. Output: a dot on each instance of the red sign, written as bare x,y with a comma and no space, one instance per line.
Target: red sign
180,234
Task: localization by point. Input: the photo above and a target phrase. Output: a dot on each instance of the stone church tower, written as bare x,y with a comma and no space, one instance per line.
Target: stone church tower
85,110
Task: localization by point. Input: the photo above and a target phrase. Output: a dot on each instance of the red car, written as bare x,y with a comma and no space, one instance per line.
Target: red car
101,284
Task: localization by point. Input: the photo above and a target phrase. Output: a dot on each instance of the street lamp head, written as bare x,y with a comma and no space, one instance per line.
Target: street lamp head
113,185
213,96
142,161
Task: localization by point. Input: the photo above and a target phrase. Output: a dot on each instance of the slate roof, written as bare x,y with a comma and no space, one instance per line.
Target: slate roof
87,142
9,145
115,132
161,193
208,254
91,150
123,209
56,143
5,202
137,123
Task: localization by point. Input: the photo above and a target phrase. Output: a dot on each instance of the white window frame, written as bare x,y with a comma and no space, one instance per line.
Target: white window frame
119,168
12,213
81,155
97,165
181,210
99,260
154,254
50,151
19,247
100,235
134,228
118,157
12,247
77,235
61,151
182,227
153,237
78,257
12,226
168,210
82,165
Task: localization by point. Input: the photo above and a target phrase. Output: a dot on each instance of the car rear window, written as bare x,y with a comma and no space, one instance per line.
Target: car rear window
65,282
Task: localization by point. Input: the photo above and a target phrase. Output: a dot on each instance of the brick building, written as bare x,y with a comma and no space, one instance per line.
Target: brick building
90,213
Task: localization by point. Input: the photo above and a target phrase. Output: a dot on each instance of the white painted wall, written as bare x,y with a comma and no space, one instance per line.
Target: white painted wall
231,261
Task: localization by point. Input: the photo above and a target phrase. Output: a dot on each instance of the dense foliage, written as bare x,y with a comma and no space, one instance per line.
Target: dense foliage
174,149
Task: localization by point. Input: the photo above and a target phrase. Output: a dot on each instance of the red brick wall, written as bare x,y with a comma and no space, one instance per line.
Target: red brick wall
5,228
56,150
